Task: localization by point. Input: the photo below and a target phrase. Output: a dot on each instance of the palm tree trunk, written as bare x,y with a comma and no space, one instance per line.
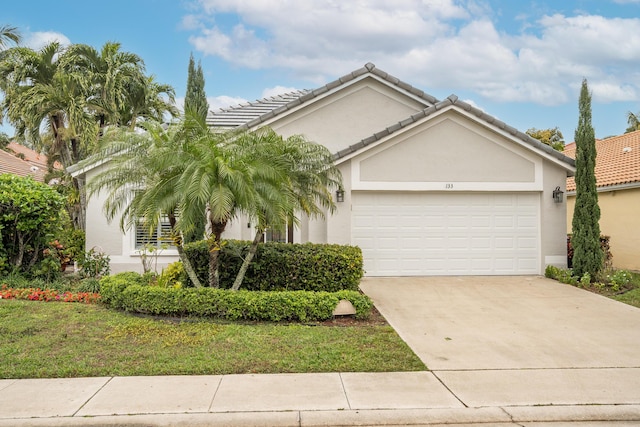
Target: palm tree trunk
215,244
247,261
181,253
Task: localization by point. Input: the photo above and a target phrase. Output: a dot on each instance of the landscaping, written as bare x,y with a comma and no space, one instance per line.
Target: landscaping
51,340
621,285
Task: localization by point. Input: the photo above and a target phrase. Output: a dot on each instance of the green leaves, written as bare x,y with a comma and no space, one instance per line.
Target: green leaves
29,214
587,253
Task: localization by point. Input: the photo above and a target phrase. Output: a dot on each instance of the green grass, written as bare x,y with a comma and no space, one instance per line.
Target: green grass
48,340
631,297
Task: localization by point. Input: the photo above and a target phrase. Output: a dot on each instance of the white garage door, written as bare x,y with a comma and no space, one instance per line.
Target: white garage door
412,234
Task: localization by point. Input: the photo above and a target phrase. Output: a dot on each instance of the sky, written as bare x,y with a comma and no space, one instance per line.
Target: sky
521,61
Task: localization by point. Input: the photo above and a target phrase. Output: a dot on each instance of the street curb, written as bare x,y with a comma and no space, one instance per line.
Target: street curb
391,417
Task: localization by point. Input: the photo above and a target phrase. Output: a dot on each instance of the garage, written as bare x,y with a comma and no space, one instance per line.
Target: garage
446,233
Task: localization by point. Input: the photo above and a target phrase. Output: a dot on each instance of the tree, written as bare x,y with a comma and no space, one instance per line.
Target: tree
196,98
146,99
61,100
587,253
141,177
633,120
306,175
9,34
195,102
108,72
551,137
39,96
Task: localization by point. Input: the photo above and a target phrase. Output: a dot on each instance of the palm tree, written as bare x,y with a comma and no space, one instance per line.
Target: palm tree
147,99
39,96
306,175
218,179
141,179
109,71
9,34
633,120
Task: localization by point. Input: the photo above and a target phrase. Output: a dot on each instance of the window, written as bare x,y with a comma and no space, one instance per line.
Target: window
282,236
162,229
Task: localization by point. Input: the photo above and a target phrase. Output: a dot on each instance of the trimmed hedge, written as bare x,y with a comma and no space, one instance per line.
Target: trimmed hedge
127,292
283,266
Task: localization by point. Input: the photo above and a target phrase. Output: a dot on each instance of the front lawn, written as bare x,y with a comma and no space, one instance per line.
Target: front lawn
55,339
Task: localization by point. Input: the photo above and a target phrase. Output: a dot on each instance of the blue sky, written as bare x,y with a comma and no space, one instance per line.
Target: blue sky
521,61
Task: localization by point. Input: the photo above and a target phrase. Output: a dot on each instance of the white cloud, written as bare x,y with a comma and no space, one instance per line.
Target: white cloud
215,102
432,43
223,101
37,40
277,90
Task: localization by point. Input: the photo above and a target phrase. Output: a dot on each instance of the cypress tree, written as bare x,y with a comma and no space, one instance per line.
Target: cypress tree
195,101
195,98
587,253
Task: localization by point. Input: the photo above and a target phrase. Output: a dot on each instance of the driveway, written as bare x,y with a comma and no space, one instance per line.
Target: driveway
516,340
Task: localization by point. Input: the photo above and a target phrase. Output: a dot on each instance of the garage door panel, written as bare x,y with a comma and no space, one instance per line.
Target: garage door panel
445,233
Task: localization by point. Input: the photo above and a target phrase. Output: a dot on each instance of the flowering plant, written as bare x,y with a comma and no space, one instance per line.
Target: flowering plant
37,294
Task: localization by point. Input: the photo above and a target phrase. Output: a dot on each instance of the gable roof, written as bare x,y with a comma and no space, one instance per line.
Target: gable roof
253,114
453,101
617,161
11,164
246,116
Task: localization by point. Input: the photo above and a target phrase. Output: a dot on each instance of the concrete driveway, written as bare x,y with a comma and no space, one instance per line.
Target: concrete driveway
500,341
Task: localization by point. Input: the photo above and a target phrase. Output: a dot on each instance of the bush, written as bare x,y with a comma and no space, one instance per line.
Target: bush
112,287
172,275
126,291
94,263
30,214
284,266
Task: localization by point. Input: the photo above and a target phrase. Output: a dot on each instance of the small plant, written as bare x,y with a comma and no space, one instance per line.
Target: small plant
172,276
620,278
585,280
149,256
94,263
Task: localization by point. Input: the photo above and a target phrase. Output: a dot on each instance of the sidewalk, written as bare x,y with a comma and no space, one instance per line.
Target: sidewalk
331,399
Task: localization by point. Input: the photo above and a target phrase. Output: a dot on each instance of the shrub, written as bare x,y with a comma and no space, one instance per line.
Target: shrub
112,287
94,263
132,295
30,214
284,266
172,275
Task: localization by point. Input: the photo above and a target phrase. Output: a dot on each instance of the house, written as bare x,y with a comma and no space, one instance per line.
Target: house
431,187
23,161
618,181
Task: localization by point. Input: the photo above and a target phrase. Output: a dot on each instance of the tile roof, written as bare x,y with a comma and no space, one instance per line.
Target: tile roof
453,100
251,114
9,163
246,116
617,160
238,115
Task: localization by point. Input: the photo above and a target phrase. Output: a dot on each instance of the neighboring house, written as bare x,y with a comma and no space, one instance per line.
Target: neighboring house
618,182
430,187
23,161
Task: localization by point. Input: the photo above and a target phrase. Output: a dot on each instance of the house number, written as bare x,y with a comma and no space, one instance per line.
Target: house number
448,186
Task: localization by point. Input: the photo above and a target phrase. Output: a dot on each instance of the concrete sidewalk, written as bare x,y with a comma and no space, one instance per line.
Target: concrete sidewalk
332,399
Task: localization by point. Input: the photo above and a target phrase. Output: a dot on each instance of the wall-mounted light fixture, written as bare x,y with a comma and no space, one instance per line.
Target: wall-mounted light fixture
557,195
339,195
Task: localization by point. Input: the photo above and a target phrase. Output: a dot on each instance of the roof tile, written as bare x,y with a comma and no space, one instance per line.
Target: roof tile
617,160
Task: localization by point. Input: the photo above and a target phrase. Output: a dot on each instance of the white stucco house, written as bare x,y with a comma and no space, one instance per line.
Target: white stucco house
431,187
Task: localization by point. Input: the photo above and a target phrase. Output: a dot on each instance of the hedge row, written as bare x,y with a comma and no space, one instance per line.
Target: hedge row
127,292
283,266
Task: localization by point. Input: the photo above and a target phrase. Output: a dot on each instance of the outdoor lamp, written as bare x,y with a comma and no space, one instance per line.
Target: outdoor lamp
557,195
339,195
